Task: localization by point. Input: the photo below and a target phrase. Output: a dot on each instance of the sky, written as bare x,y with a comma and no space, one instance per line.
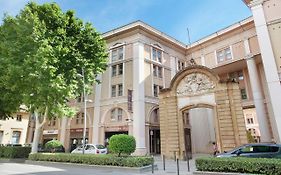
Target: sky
172,17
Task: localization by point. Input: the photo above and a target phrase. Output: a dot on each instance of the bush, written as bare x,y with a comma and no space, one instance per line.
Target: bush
14,152
107,159
240,164
52,145
122,143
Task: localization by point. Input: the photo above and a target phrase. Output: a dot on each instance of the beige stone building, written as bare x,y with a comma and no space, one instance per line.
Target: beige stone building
14,130
143,61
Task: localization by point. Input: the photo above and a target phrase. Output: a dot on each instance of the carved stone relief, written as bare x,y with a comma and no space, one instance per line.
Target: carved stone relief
195,84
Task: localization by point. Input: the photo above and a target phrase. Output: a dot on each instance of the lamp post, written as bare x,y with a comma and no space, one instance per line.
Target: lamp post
85,111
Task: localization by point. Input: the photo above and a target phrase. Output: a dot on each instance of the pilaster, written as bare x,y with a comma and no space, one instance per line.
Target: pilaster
270,68
138,98
96,120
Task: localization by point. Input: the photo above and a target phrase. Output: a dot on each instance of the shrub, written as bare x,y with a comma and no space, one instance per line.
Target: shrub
52,145
122,143
107,159
14,152
240,164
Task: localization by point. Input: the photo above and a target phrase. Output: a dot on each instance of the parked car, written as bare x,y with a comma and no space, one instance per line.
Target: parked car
91,149
255,150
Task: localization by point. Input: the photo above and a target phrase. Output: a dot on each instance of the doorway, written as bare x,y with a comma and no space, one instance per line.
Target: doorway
154,141
199,130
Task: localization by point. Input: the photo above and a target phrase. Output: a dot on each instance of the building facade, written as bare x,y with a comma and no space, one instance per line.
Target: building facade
143,61
14,130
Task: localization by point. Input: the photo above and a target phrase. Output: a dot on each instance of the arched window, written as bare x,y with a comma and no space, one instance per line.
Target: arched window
116,114
155,116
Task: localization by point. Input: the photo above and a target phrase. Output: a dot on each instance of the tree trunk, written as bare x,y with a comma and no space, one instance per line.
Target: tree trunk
35,142
38,127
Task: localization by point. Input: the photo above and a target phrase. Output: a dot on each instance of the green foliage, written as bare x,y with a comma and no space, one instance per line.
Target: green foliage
240,164
43,49
250,138
53,144
91,159
14,152
122,143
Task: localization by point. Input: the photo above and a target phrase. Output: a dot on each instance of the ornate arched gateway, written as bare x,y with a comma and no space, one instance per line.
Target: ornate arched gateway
199,109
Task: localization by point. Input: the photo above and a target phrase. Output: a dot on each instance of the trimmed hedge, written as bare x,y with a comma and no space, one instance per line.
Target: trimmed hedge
14,152
129,161
240,165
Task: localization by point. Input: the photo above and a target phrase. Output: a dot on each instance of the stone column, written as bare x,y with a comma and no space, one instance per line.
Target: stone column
258,100
138,98
270,68
96,120
63,129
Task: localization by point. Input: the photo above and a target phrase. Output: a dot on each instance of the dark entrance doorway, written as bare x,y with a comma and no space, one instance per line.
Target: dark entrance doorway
187,134
187,142
154,141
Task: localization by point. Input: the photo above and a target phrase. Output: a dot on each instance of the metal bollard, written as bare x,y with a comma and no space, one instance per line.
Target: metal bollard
178,169
152,165
187,160
164,165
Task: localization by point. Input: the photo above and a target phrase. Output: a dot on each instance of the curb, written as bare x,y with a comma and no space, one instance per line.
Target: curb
218,173
12,160
113,168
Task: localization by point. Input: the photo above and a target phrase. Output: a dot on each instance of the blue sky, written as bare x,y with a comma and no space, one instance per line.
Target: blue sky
172,17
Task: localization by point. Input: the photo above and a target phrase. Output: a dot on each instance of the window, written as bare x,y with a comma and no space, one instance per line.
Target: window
117,69
157,71
113,91
223,55
119,116
117,54
186,119
116,114
156,90
19,118
114,71
120,69
160,72
77,118
120,89
243,94
180,65
54,121
157,55
155,115
112,115
250,120
16,137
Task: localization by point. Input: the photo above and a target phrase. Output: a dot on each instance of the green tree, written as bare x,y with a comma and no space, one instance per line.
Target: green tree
43,50
122,143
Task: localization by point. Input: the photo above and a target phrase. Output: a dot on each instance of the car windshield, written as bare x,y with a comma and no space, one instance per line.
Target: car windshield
100,146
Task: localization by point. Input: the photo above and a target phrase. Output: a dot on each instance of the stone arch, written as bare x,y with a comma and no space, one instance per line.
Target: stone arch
199,87
107,112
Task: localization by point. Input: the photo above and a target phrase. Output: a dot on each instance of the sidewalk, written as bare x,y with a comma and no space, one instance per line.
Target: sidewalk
171,166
